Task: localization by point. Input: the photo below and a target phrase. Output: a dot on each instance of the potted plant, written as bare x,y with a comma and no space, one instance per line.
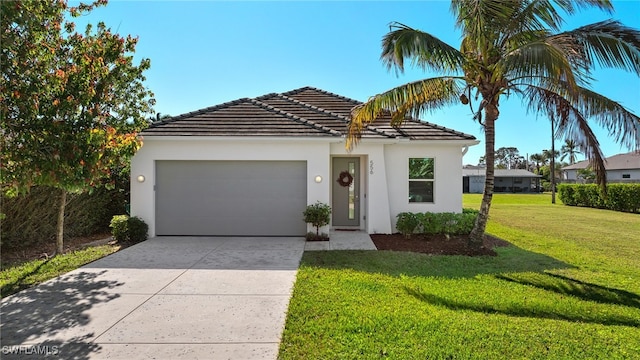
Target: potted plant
317,215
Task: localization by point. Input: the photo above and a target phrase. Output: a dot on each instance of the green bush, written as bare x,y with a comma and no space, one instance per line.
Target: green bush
620,197
128,229
30,219
407,223
317,215
436,223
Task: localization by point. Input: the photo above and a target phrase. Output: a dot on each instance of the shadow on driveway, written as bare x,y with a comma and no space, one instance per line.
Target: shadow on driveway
46,314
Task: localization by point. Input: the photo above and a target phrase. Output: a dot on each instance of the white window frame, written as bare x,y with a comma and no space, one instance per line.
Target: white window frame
432,181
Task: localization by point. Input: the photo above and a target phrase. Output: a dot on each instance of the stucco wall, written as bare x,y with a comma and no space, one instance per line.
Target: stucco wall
143,163
447,184
476,184
612,175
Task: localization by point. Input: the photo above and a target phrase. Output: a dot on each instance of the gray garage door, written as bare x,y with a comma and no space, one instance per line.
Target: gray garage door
231,198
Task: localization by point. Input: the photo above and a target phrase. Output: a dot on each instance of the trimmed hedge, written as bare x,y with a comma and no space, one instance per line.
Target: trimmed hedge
31,219
436,223
620,197
125,229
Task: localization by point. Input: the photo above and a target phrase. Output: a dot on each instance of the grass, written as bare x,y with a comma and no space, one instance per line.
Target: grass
33,272
568,289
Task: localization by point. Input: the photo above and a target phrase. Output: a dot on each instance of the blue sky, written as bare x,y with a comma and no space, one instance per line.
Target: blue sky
208,52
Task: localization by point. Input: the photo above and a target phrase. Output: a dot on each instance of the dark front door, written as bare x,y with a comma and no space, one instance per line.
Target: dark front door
346,191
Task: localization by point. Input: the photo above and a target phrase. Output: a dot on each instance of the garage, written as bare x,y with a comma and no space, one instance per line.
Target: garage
230,198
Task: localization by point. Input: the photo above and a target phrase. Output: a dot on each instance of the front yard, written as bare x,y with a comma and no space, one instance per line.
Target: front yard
568,288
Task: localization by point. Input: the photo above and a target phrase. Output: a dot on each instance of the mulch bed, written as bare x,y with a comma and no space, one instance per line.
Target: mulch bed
46,250
437,244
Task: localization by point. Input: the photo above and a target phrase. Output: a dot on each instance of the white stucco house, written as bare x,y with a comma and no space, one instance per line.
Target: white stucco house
250,167
620,168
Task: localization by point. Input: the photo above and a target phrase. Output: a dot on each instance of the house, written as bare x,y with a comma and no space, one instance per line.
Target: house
620,168
249,167
505,180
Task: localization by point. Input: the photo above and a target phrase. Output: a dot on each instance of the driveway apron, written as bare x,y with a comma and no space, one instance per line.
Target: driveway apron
165,298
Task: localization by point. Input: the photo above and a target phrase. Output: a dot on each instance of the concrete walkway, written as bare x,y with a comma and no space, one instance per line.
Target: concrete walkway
343,240
165,298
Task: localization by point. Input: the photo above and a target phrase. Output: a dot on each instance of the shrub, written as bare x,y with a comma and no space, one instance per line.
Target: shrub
119,227
620,197
407,223
317,215
30,219
128,229
436,223
138,229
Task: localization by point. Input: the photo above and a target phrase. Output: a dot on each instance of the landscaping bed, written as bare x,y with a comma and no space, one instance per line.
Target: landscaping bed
438,244
12,256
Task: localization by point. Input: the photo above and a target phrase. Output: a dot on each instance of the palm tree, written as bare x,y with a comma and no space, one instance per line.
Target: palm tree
538,159
512,47
570,149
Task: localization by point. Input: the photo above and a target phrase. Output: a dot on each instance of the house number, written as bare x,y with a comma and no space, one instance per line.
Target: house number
370,167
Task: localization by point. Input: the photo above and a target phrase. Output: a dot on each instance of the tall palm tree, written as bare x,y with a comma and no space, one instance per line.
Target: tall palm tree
570,149
512,47
538,160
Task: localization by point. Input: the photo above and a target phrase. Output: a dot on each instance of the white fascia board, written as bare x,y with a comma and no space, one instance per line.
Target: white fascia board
252,139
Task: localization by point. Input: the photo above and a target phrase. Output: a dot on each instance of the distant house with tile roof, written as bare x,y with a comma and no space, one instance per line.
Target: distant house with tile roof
620,168
505,180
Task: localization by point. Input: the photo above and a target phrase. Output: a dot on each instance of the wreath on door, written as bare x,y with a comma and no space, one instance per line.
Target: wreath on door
345,179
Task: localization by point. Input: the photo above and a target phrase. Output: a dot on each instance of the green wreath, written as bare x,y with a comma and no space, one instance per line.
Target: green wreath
345,179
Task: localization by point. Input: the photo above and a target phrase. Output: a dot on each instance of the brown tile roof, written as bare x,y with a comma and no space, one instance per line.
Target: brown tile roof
302,112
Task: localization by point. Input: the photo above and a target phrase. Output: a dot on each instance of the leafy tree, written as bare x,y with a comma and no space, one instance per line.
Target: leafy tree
569,149
512,47
586,175
508,158
71,102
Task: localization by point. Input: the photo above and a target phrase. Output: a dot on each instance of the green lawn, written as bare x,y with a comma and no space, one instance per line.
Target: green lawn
569,288
28,274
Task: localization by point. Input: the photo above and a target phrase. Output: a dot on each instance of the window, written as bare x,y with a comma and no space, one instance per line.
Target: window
421,180
626,176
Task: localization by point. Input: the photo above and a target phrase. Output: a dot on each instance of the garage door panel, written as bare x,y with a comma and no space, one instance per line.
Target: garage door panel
242,198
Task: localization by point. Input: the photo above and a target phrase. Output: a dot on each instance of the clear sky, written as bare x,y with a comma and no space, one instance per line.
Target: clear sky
208,52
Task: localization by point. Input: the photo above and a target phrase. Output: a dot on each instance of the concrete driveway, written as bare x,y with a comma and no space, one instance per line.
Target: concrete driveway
165,298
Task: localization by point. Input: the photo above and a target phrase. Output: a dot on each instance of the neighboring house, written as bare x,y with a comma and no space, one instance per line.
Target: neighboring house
505,180
250,167
620,168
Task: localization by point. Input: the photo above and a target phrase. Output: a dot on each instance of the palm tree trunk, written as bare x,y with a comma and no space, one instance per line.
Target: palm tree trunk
60,225
476,237
553,161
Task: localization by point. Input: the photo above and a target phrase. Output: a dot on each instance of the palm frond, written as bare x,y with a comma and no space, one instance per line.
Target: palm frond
412,99
571,6
573,109
622,124
425,50
533,16
547,58
481,20
610,44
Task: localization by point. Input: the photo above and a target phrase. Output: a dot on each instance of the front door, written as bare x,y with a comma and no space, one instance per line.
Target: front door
346,191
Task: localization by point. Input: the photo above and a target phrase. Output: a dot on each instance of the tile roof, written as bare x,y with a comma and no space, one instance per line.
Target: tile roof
628,161
298,113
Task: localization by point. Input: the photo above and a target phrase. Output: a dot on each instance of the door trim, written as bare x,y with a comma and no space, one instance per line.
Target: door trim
362,191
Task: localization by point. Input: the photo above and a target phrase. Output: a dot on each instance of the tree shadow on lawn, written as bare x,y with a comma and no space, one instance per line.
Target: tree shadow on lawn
522,311
509,260
567,286
54,316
